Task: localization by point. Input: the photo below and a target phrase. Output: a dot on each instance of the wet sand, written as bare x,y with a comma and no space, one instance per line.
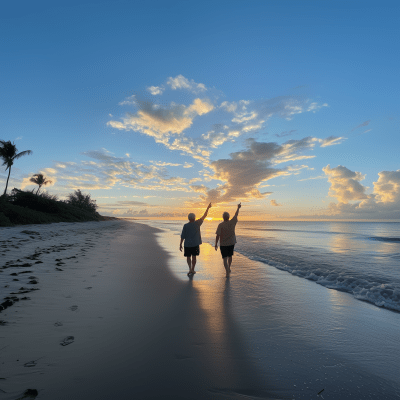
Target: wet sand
120,319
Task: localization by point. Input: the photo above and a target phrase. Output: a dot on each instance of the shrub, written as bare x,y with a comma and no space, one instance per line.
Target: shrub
82,201
27,208
4,221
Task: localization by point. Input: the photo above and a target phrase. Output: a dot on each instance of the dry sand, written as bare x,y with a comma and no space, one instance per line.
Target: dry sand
119,319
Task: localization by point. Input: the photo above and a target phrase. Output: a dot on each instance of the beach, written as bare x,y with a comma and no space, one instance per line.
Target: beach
115,316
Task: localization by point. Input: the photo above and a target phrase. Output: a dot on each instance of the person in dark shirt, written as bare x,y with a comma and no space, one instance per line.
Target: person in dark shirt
192,237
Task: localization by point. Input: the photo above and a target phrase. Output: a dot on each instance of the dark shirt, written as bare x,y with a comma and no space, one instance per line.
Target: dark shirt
191,233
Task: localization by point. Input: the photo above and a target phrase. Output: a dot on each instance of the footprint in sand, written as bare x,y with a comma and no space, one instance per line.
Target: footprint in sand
32,363
29,394
89,287
73,308
58,323
68,340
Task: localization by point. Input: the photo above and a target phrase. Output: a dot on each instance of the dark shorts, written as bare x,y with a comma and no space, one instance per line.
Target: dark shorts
192,251
227,251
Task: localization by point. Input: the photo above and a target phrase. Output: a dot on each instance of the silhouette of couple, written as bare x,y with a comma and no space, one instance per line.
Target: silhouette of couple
225,235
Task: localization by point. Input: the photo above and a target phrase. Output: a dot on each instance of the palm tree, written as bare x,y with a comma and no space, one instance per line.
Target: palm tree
9,153
40,180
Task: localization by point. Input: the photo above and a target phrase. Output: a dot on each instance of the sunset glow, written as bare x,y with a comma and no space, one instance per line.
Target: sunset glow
280,112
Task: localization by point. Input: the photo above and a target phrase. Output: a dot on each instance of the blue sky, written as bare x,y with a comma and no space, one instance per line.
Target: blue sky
108,94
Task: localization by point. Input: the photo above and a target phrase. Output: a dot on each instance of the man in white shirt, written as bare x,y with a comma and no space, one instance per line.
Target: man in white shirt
226,233
192,237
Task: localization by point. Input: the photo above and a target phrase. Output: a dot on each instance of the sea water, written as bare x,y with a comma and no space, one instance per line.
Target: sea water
360,258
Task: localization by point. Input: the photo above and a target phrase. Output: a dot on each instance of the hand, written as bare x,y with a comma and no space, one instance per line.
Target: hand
240,205
180,247
209,206
216,247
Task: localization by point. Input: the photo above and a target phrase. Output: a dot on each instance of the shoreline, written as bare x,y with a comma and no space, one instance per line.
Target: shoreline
305,336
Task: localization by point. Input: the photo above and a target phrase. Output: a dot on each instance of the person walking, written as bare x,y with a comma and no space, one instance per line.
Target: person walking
192,237
226,235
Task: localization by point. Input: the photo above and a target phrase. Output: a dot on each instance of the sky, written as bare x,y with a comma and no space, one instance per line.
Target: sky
157,108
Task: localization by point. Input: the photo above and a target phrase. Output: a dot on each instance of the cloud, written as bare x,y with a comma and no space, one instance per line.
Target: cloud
251,116
365,123
288,106
131,213
244,171
274,203
314,177
165,164
170,125
156,90
292,150
286,133
220,134
345,184
188,165
103,170
162,123
180,82
131,100
331,141
354,202
387,187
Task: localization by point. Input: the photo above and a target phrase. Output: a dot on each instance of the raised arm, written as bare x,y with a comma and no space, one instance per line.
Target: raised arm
205,214
238,208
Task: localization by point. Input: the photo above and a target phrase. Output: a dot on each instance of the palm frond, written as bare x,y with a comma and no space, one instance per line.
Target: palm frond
23,153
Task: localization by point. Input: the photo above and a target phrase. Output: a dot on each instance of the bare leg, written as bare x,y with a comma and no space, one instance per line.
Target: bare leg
226,266
194,259
229,263
189,262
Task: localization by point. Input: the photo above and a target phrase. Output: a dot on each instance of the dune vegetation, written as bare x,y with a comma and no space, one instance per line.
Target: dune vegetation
25,207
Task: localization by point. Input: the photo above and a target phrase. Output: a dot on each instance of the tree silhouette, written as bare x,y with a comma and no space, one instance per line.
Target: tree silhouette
40,180
9,153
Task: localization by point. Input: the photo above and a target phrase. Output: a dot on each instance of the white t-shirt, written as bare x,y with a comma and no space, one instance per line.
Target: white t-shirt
226,231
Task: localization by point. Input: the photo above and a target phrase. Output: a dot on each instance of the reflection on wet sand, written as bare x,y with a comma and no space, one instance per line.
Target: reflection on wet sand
225,354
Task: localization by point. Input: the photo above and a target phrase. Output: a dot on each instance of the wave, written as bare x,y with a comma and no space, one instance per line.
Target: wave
385,239
381,294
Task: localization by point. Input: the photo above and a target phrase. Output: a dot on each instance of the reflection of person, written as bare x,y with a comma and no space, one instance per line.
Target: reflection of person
192,237
226,233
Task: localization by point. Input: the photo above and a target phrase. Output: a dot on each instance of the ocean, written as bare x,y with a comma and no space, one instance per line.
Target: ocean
360,258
